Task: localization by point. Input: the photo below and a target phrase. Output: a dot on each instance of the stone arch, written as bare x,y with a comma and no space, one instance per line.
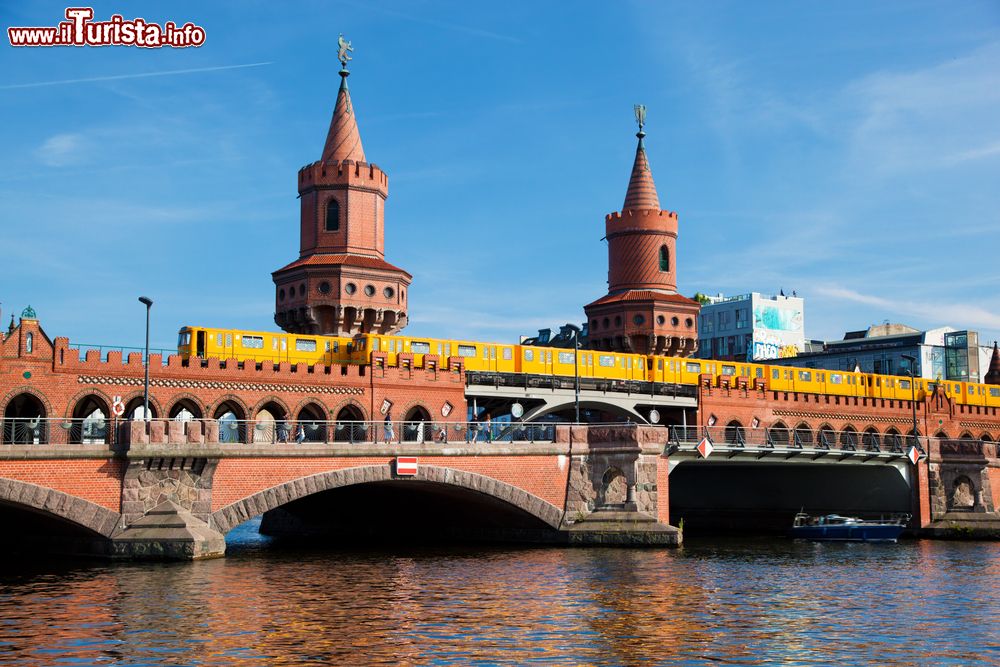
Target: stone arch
76,510
614,488
133,406
780,434
849,437
25,389
90,417
417,424
986,437
825,435
804,434
226,518
188,402
735,433
966,436
24,418
349,423
350,402
963,494
270,420
231,413
74,401
310,415
871,440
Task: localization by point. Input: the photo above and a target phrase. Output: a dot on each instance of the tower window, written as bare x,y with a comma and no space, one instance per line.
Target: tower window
664,258
332,216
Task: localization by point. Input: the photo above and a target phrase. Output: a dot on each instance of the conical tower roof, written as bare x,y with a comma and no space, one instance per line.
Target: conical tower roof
343,141
993,374
641,194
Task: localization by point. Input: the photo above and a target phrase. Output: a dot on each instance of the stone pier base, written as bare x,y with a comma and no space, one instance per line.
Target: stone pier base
168,532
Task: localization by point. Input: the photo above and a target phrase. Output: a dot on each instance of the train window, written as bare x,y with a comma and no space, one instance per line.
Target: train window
256,342
336,346
229,340
284,344
693,367
493,353
659,364
623,363
305,345
486,352
606,360
821,377
447,349
274,342
805,375
995,392
775,373
466,350
565,357
420,347
904,384
529,355
508,354
760,372
184,339
439,349
836,378
728,370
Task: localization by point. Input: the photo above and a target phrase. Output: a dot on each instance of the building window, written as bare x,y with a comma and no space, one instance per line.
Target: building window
661,320
664,258
324,287
29,343
350,288
638,319
370,290
389,292
332,216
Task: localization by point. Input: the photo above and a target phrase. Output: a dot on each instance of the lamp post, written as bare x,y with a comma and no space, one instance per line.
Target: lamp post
576,368
913,395
145,387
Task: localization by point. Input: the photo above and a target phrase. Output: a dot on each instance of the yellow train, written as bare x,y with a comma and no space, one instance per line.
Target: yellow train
536,360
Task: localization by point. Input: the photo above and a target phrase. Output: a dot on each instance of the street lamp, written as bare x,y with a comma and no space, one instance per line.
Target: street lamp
145,391
576,367
913,395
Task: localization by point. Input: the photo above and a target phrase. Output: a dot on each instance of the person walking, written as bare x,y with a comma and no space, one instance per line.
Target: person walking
300,434
387,428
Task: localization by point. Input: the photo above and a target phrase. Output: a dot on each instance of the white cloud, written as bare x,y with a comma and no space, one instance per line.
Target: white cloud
952,313
61,150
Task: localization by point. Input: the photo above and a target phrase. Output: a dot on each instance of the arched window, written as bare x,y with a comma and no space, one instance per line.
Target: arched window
332,216
664,258
29,342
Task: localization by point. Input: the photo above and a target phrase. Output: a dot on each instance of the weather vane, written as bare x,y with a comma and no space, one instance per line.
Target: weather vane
344,47
640,115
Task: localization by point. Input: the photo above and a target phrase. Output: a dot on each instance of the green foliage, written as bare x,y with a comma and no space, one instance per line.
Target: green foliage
700,298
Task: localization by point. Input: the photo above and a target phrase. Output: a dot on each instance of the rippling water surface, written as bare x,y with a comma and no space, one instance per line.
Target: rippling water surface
712,602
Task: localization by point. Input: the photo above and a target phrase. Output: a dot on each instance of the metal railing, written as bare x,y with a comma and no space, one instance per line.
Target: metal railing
866,444
39,431
125,350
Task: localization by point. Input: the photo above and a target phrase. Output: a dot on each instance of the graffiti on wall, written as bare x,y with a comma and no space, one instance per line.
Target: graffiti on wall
762,350
776,319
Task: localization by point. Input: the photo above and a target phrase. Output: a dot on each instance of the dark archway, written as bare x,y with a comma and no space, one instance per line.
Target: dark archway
185,410
350,425
735,434
90,421
779,434
872,441
849,438
232,422
310,426
133,409
417,425
804,436
270,424
24,421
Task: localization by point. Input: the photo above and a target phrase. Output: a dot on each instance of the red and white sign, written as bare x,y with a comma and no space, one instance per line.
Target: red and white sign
914,455
705,448
406,465
117,406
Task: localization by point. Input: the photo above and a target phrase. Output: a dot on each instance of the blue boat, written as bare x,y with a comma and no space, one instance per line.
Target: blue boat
836,528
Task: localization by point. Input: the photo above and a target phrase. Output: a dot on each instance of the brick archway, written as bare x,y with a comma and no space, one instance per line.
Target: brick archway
76,510
230,516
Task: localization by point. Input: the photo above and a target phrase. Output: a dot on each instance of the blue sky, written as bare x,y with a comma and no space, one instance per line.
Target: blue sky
847,150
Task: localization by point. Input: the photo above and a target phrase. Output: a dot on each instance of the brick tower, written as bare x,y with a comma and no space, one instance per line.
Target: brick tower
642,311
993,374
341,283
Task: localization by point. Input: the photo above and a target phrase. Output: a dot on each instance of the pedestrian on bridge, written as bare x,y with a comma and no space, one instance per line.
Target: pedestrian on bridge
387,428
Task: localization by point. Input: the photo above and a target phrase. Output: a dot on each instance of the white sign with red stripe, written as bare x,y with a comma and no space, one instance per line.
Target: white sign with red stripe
913,455
406,465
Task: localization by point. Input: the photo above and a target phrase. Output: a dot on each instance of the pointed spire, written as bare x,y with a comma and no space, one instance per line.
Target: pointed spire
343,141
993,374
641,194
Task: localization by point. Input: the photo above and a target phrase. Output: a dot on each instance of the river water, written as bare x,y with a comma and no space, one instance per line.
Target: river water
746,601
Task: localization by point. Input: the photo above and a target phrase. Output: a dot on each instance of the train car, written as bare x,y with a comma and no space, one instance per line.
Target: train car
261,346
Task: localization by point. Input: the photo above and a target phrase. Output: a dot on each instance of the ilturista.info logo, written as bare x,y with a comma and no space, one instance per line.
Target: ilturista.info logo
80,29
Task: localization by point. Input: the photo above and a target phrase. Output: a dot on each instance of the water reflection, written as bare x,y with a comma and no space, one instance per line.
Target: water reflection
730,602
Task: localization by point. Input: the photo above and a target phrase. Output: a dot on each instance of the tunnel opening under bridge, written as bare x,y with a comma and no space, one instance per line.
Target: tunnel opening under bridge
403,512
721,498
